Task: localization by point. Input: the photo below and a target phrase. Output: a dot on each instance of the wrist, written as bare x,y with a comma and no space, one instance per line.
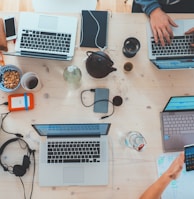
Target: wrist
156,12
169,175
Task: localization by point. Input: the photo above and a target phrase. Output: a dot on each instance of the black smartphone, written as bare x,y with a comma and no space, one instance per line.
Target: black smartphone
101,100
189,157
10,31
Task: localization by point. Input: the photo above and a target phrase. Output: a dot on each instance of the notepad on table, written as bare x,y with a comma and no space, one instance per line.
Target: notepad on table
94,28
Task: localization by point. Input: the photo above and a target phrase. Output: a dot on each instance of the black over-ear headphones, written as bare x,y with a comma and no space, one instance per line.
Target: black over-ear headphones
17,170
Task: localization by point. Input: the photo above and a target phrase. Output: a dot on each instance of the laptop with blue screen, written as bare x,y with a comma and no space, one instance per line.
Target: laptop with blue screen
177,55
73,154
177,123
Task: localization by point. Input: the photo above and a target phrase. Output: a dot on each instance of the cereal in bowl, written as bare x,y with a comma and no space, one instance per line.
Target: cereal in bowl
11,79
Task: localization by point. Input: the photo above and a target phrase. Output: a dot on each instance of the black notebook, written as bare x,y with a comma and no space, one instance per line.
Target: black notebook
94,28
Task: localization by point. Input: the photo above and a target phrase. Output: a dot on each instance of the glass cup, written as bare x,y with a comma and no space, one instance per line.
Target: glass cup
131,47
135,140
72,74
31,82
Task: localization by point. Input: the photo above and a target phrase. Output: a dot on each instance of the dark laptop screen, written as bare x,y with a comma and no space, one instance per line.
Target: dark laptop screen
180,103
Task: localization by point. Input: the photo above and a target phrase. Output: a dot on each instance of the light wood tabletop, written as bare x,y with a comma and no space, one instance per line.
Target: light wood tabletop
145,90
27,5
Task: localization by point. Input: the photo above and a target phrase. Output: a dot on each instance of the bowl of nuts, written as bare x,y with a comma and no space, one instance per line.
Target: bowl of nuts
10,77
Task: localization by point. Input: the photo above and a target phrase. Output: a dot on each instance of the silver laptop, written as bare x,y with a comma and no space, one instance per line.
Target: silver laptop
46,36
73,154
177,55
177,123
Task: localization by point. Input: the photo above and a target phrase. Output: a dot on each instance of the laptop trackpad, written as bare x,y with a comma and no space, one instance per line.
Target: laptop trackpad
73,174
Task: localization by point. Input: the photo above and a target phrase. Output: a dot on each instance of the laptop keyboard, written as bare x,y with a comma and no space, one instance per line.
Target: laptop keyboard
45,41
174,123
73,151
180,45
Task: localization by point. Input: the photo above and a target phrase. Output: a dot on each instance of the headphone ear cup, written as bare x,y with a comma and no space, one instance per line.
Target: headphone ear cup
19,170
26,162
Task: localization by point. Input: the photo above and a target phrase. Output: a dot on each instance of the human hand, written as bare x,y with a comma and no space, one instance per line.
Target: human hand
176,167
190,31
161,26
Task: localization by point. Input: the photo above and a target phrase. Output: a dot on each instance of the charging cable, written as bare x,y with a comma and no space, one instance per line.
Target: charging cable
2,118
97,33
117,101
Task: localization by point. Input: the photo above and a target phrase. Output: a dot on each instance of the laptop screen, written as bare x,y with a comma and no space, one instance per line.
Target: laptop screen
59,130
174,63
180,103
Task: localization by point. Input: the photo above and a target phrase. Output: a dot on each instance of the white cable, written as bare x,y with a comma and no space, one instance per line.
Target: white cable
97,33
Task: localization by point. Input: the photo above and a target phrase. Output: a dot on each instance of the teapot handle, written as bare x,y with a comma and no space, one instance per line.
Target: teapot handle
107,58
88,53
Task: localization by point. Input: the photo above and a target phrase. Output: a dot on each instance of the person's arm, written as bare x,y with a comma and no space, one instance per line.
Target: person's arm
156,189
148,5
160,22
190,31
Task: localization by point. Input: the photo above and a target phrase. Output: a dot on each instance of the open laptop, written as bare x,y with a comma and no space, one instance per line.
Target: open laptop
177,55
177,123
46,36
73,154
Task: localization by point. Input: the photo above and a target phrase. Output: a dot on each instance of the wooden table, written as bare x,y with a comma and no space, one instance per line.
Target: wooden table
145,91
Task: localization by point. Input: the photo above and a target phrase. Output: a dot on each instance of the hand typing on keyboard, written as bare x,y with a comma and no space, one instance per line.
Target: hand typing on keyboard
161,26
160,21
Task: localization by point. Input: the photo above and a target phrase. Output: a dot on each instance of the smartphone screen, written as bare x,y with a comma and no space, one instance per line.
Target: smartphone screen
10,28
189,157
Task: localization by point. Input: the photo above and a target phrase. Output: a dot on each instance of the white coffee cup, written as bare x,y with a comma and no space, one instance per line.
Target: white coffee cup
31,82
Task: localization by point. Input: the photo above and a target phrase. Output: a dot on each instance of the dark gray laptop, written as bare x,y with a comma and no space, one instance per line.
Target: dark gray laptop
177,123
73,154
177,55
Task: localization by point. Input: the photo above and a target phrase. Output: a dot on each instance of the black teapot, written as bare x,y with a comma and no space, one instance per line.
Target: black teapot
99,64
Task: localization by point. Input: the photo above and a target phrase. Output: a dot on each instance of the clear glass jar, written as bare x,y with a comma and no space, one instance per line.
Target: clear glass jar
72,74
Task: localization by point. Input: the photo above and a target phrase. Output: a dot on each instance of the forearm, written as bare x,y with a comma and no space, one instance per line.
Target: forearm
148,5
156,189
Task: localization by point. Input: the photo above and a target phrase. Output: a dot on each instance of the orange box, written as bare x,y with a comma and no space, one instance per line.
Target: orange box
23,101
